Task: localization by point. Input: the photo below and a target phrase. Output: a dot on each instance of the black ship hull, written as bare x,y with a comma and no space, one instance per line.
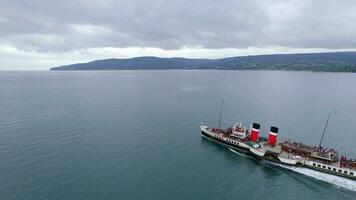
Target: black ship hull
244,150
224,143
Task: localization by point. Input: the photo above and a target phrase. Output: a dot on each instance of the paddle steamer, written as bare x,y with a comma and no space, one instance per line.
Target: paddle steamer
288,152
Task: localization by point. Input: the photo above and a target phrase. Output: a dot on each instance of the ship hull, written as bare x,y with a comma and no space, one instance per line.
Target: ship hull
224,143
336,173
245,150
271,158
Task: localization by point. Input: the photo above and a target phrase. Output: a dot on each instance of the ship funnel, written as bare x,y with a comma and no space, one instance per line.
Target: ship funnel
272,136
254,132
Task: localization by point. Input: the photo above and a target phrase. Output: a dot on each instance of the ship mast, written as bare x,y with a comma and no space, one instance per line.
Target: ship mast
221,111
325,127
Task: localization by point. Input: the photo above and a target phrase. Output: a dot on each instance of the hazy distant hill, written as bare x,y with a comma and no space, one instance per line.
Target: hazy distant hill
331,62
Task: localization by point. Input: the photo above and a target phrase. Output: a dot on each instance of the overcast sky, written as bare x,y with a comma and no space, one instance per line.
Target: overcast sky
39,34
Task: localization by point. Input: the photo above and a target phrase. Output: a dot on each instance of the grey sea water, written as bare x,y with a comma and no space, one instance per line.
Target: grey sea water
135,134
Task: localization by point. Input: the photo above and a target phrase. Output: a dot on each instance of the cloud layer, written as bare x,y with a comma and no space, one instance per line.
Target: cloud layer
65,31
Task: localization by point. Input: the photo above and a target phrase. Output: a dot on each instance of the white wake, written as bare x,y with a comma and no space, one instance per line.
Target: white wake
335,180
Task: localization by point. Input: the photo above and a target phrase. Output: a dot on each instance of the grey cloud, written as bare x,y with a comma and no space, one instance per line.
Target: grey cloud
75,24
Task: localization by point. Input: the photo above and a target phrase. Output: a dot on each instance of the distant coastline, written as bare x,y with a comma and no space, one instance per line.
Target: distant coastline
318,62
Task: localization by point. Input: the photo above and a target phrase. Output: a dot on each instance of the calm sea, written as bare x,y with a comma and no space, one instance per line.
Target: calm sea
135,134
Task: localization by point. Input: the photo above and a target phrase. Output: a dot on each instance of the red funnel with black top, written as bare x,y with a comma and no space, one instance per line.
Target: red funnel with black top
272,136
254,132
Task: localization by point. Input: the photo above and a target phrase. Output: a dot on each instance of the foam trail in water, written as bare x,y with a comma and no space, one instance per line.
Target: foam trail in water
238,153
336,180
